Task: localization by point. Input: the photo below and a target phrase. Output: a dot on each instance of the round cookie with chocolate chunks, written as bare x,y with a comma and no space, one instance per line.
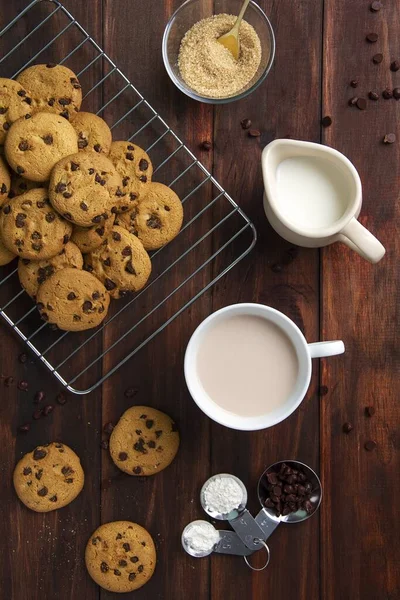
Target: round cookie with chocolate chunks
90,238
135,168
144,441
48,478
32,273
121,263
5,255
53,88
85,188
5,181
31,228
19,185
73,300
120,556
93,132
15,103
157,219
33,146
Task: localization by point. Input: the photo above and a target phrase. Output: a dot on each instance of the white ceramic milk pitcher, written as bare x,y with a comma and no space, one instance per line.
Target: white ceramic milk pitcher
313,197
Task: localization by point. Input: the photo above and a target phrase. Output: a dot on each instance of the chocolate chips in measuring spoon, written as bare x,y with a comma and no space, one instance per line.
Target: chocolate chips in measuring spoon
289,490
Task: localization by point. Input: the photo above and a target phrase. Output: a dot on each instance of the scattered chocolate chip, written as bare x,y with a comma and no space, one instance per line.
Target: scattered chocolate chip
158,433
20,220
96,219
117,572
245,123
23,386
24,429
136,471
74,166
70,480
104,444
354,83
151,444
50,217
27,471
395,66
143,416
389,138
126,547
67,195
116,236
23,146
28,116
376,6
97,148
104,567
122,456
66,239
23,358
61,399
6,126
149,423
377,58
132,196
387,93
48,139
132,576
140,568
139,446
43,491
37,414
64,114
82,143
134,559
153,222
7,209
9,381
53,499
396,93
370,411
51,101
39,474
66,470
206,145
39,397
130,147
64,101
100,231
373,96
60,187
370,445
326,121
372,38
361,103
48,409
20,170
130,392
254,133
71,296
109,285
347,427
129,156
50,65
129,268
3,110
108,428
87,306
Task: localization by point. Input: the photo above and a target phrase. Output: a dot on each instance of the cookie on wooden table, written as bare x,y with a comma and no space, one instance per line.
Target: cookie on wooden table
90,238
14,104
144,441
120,556
121,263
34,145
53,88
93,132
84,188
48,478
5,181
31,228
32,273
157,219
73,300
19,185
5,255
135,168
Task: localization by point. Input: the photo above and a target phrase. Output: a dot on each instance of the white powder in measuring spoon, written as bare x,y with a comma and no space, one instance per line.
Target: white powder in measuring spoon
222,495
201,537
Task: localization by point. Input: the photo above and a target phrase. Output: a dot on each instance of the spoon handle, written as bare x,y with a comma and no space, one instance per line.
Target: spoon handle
241,14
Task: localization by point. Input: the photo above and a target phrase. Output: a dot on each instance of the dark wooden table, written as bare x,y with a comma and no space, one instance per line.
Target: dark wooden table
350,549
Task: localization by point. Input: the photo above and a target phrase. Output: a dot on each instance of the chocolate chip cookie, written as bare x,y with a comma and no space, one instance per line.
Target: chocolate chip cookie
135,168
120,556
90,238
85,188
33,146
144,441
73,300
5,255
5,181
32,273
15,102
48,478
31,228
121,263
19,185
53,88
93,132
157,219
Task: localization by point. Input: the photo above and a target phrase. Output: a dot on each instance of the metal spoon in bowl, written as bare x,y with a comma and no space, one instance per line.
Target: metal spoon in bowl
231,39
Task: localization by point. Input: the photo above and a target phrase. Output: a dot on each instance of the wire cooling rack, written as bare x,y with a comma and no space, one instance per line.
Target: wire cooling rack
215,236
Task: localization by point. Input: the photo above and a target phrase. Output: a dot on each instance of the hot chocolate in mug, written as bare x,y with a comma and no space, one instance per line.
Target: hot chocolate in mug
248,366
313,197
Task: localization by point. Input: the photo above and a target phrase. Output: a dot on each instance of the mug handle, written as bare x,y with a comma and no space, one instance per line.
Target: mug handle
321,349
358,238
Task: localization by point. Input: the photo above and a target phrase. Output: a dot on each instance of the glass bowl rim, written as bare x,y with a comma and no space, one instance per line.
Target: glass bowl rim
207,100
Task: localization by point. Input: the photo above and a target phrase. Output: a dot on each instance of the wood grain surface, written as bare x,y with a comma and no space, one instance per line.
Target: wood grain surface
349,550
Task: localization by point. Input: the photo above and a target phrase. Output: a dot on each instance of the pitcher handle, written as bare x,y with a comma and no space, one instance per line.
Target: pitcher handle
358,238
321,349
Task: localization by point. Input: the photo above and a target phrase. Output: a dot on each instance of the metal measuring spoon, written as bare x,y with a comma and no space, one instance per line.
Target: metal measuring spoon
228,543
267,518
239,518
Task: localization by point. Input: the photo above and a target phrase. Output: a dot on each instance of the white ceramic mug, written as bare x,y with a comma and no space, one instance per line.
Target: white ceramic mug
346,229
304,351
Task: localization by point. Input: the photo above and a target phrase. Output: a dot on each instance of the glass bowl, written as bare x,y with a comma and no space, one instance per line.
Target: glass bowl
192,11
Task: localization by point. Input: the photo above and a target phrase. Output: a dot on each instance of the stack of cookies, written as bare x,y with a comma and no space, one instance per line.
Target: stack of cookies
79,210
